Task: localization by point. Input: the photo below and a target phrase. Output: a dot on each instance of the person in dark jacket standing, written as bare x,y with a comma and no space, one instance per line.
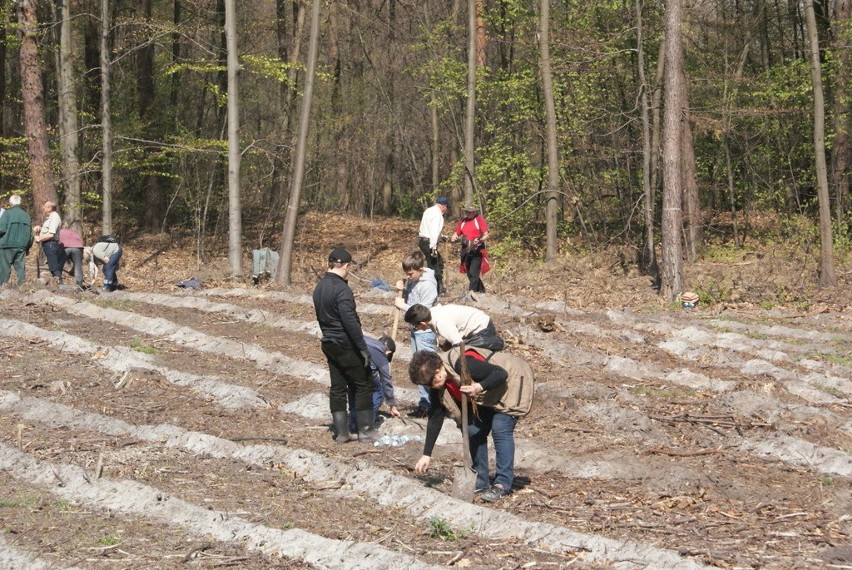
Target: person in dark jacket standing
345,349
16,237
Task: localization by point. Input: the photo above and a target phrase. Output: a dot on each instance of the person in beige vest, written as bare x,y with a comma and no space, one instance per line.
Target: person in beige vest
491,384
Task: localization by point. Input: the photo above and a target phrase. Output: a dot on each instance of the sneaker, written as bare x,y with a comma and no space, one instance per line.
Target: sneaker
495,493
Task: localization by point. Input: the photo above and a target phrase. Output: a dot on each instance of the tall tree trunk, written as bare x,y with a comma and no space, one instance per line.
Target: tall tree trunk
672,252
32,89
470,112
656,131
152,191
826,272
289,47
552,196
68,130
286,256
106,121
729,96
177,14
235,224
649,258
693,225
4,23
841,156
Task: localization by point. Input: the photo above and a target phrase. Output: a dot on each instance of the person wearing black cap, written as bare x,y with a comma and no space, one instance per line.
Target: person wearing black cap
431,226
345,349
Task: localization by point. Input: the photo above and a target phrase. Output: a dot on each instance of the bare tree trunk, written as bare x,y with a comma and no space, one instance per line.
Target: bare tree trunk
552,206
286,253
729,97
106,121
68,129
436,143
649,258
4,23
656,110
33,97
470,112
672,253
826,272
235,224
693,224
841,157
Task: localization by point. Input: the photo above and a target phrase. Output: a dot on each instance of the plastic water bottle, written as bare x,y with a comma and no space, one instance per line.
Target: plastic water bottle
395,440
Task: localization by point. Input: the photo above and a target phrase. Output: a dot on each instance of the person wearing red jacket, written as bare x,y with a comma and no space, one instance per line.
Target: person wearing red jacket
473,231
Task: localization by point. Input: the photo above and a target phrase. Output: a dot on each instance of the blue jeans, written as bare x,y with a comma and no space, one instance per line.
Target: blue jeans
424,340
502,429
110,269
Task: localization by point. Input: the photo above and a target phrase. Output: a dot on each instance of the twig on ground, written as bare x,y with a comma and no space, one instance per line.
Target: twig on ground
675,453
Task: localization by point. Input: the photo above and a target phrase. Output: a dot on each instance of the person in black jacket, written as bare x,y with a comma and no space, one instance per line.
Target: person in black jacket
345,349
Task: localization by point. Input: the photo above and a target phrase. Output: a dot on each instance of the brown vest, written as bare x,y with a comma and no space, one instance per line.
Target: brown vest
514,398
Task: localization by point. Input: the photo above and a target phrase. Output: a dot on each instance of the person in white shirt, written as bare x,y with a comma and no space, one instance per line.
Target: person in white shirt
48,237
457,323
431,226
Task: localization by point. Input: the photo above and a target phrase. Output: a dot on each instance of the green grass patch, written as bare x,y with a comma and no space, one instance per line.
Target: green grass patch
441,529
831,390
137,345
664,393
108,540
27,502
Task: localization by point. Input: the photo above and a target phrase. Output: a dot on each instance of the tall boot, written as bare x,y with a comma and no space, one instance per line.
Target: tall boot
341,426
366,426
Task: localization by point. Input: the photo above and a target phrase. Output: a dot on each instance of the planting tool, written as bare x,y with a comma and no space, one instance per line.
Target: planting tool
464,479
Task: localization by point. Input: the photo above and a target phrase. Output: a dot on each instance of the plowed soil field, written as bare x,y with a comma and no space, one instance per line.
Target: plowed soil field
157,427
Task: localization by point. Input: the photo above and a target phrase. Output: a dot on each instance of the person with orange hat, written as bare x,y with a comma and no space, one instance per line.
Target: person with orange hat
473,231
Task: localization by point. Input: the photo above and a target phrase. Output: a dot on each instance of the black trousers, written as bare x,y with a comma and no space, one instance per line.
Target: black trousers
436,264
347,370
473,262
55,255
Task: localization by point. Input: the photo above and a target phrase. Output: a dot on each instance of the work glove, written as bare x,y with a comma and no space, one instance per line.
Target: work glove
365,358
434,252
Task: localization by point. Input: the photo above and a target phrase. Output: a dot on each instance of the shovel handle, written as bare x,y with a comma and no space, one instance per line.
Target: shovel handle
396,318
465,432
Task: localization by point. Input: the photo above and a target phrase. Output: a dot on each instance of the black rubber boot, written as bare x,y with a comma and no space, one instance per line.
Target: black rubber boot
366,426
341,426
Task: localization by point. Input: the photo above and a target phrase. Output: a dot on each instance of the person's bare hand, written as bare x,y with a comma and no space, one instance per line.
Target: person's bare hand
422,464
400,286
472,389
394,412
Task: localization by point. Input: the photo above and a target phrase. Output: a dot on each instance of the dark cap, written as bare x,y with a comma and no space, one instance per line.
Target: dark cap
390,345
443,200
339,255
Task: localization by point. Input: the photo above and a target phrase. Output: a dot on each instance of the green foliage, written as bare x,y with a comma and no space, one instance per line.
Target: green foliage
441,529
109,540
14,163
137,345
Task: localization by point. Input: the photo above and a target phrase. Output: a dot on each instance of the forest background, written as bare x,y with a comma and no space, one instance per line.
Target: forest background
388,118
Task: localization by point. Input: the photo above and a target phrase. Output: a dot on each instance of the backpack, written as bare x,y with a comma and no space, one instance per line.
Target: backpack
515,397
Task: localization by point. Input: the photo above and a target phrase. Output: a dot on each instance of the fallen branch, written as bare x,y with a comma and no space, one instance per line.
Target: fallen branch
675,453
